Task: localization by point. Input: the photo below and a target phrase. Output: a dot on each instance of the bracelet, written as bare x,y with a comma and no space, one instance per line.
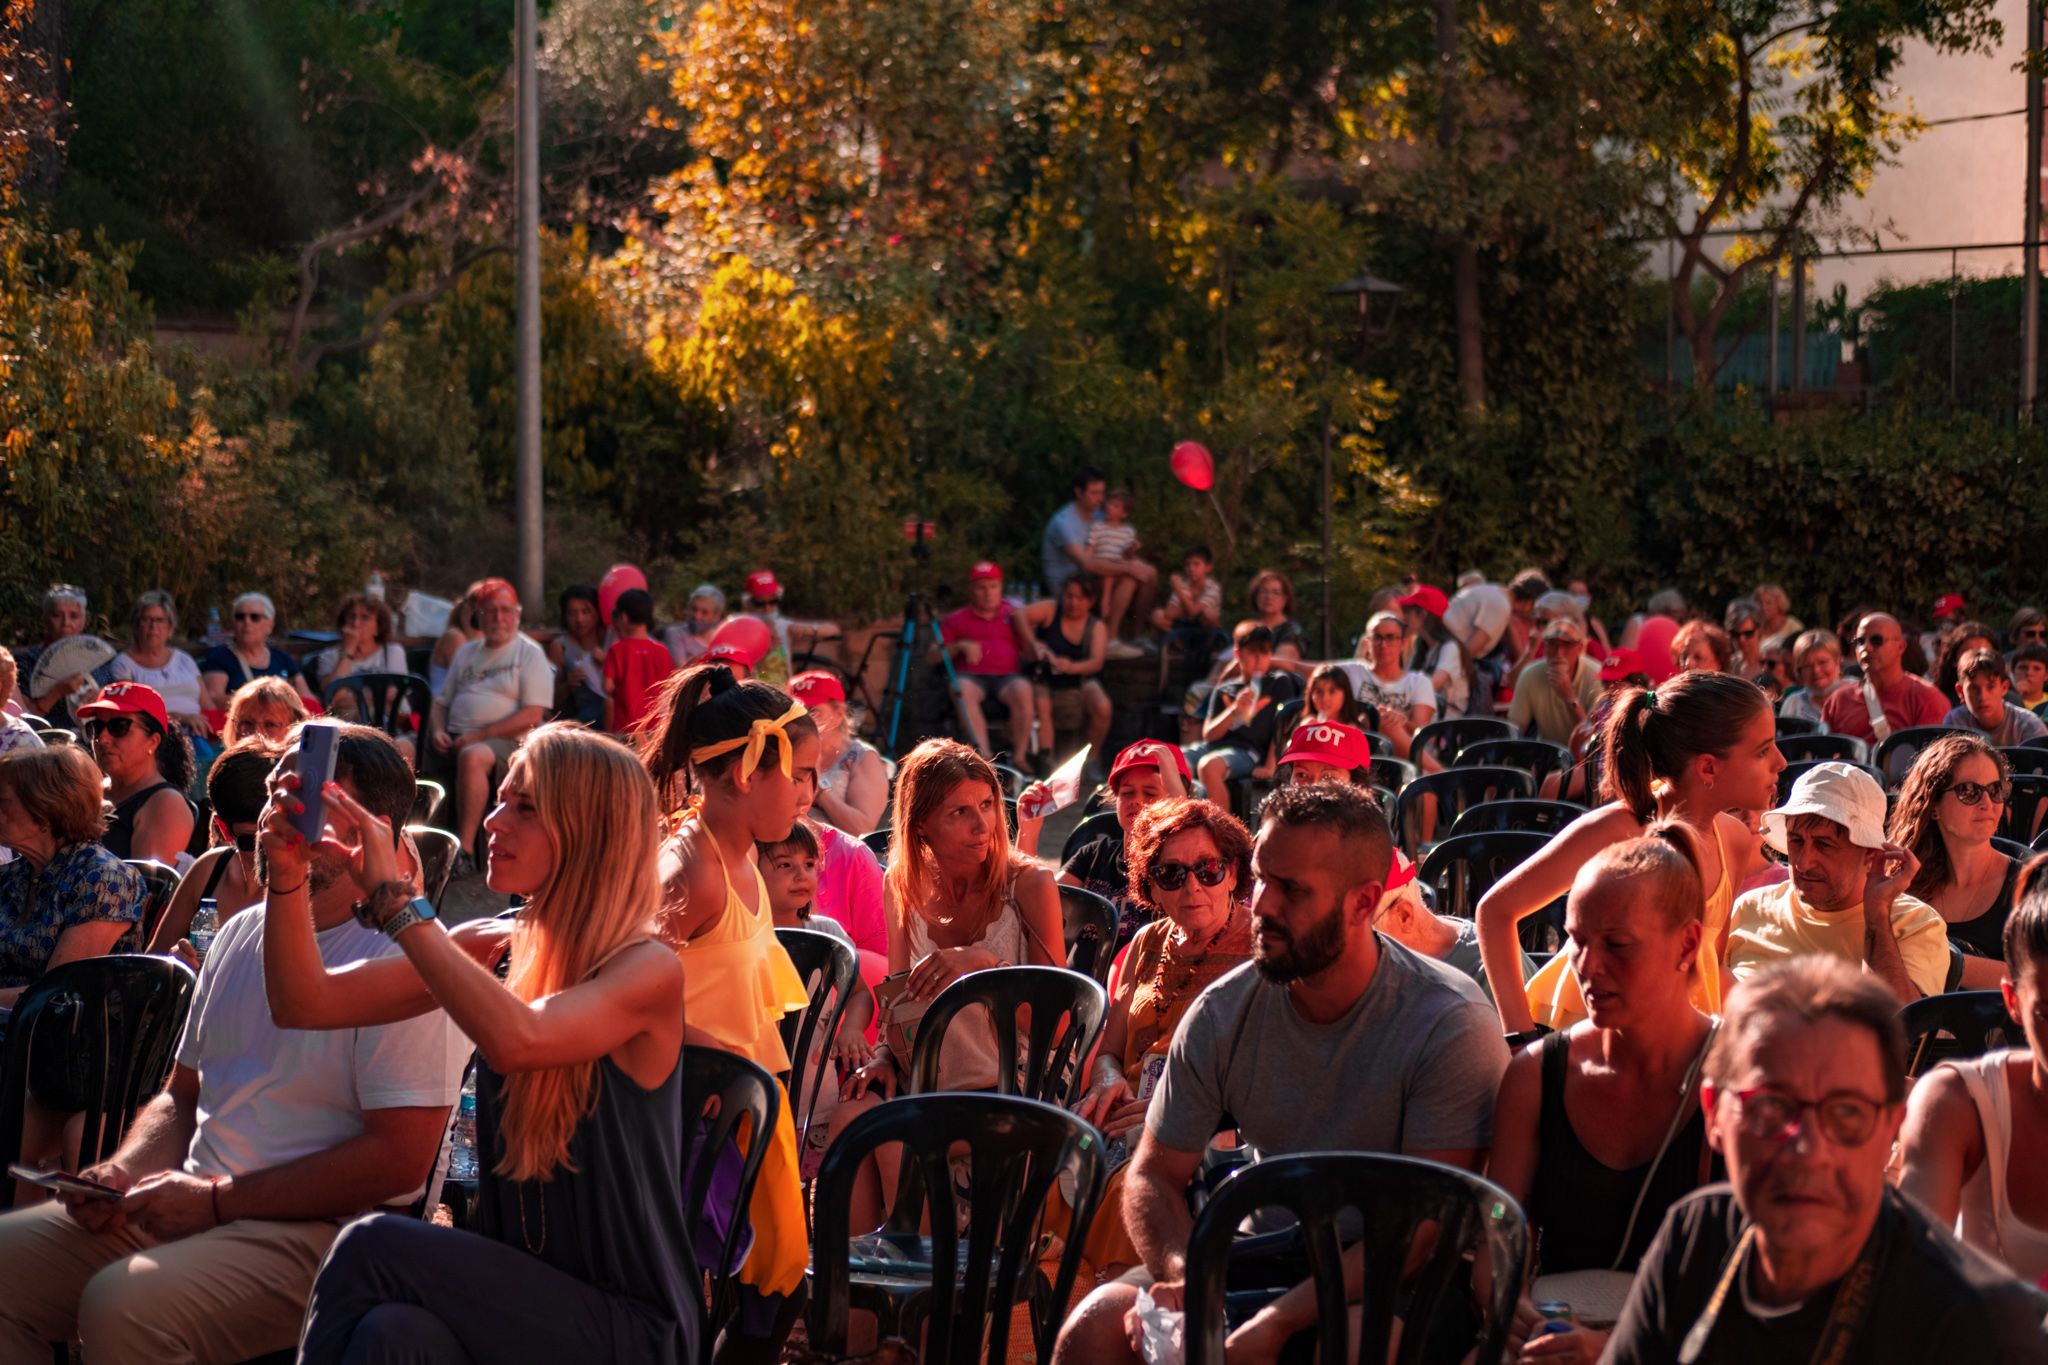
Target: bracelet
213,1194
288,890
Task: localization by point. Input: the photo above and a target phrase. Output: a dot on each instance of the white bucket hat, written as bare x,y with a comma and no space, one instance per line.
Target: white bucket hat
1841,792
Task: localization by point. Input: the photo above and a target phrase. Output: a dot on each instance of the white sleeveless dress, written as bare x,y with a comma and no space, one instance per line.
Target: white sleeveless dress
1987,1220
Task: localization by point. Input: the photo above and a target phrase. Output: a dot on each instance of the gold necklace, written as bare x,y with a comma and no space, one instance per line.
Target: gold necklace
1160,992
521,1188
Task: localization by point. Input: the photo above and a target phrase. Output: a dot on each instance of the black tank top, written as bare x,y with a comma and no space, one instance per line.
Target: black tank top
1579,1206
120,836
1984,936
1054,639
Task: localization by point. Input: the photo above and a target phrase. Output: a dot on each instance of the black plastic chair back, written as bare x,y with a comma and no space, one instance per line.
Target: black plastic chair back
1088,831
382,699
1090,922
1464,867
437,859
1012,1152
2012,848
830,971
1959,1024
1789,726
35,722
429,799
1392,773
1418,1220
1895,756
1456,790
877,841
1537,757
1444,740
2022,818
159,884
1810,747
2026,759
1014,782
98,1037
1523,813
1066,1013
1793,772
718,1088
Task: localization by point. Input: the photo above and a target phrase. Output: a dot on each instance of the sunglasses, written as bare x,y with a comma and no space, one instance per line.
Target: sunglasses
1873,641
117,726
245,841
1970,793
1848,1119
2034,633
1173,876
1748,634
250,616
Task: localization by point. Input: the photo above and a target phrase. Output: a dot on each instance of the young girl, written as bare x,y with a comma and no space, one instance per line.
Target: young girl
749,757
578,1088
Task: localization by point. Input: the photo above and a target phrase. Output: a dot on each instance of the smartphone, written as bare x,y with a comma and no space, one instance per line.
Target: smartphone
317,742
61,1182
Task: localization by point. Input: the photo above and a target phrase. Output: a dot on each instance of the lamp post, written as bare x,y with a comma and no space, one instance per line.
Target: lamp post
1373,324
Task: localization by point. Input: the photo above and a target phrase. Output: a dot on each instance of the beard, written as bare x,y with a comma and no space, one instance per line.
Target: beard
322,871
1300,954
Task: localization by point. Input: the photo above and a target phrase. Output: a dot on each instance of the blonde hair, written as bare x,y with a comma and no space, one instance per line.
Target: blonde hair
923,781
260,694
596,804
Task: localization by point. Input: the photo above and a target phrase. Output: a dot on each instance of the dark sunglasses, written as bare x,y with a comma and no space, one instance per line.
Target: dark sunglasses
1873,641
2034,633
1970,793
250,616
1748,634
245,841
117,726
1173,876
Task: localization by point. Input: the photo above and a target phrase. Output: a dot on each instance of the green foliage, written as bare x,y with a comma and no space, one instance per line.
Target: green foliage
1948,341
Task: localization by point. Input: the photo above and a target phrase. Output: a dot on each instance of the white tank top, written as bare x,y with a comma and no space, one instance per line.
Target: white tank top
1987,1220
967,1058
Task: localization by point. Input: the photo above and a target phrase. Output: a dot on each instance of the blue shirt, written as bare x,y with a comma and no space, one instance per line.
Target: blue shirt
223,659
82,884
1069,526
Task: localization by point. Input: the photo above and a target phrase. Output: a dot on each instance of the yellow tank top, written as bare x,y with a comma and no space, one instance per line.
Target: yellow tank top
737,980
1554,999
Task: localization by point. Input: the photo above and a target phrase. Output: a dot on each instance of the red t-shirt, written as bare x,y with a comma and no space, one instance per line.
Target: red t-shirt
1910,701
997,640
632,670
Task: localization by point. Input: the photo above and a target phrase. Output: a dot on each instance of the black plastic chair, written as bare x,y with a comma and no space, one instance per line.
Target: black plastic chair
1091,925
1392,773
1789,726
2022,818
1419,1221
1846,748
877,841
2012,848
1014,782
962,1282
1793,772
1066,1008
1464,867
1523,813
1959,1024
2025,759
830,971
1456,790
383,700
1537,757
95,1038
1089,830
437,859
429,799
1894,757
718,1088
159,884
35,722
1444,740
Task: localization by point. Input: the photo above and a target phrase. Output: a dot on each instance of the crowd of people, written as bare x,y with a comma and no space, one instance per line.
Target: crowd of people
1699,1102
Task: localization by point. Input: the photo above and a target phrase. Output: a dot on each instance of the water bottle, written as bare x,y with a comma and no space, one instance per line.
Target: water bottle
205,924
374,589
462,1162
214,633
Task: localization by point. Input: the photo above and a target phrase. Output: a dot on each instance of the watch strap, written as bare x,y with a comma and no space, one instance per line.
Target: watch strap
417,911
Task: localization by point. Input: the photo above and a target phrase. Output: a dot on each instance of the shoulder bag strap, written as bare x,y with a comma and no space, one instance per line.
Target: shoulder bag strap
1688,1099
1881,726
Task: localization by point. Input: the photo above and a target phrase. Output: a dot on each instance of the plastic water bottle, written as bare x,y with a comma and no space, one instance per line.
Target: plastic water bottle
205,924
214,633
462,1162
374,589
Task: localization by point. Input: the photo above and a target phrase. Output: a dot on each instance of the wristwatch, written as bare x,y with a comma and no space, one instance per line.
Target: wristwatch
393,909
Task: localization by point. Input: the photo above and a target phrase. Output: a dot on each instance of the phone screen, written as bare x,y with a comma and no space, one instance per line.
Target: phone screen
62,1182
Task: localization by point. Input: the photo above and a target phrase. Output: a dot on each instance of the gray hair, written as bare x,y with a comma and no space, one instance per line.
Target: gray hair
1667,602
1742,609
1813,640
64,592
711,591
158,598
1566,605
269,607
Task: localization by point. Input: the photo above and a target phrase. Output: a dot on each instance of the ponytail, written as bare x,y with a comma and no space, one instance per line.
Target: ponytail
1653,734
699,706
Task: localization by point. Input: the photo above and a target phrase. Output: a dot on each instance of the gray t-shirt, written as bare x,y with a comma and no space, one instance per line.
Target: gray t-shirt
1464,955
1412,1067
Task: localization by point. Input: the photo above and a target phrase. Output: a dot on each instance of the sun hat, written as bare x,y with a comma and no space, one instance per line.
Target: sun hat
1841,792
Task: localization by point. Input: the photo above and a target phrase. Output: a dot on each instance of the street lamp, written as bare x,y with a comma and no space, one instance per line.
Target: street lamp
1374,323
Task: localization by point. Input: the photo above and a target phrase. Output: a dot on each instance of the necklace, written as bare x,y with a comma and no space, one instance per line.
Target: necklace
521,1187
1164,994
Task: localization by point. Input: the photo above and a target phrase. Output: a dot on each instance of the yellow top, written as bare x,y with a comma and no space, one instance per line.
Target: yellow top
1774,923
737,980
1554,998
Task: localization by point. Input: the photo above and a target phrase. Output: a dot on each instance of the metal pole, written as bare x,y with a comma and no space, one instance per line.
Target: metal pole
1670,318
527,355
2030,289
1955,293
1798,324
1327,654
1771,383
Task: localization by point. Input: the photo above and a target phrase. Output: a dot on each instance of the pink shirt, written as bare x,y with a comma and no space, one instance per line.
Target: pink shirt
1908,702
850,889
997,640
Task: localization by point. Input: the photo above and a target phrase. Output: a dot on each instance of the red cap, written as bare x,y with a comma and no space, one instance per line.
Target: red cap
1948,604
1145,754
727,654
1431,600
128,699
762,587
1618,665
987,568
1331,742
495,587
816,685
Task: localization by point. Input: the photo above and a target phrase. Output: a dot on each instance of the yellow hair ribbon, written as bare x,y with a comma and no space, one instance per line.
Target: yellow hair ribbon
755,741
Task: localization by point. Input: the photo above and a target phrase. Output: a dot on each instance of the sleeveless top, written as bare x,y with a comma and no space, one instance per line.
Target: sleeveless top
612,1216
1056,642
967,1059
1987,1220
1579,1205
1554,998
738,980
841,770
1984,936
119,839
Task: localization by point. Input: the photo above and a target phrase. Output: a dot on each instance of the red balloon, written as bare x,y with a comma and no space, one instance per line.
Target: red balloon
747,634
1193,466
619,578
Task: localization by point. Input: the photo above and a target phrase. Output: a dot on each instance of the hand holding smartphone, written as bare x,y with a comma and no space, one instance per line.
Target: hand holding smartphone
62,1182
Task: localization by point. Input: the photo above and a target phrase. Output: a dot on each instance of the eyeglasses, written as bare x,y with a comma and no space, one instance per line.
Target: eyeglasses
1845,1117
1873,641
117,726
1970,793
1173,876
250,616
1387,637
1748,633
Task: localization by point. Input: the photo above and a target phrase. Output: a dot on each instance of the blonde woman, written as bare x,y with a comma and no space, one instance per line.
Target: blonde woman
584,1247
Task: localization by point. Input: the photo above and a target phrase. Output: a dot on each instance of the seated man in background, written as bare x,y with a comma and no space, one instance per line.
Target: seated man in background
1333,1037
1556,690
1890,698
1807,1254
236,1178
1846,897
499,686
988,661
1983,682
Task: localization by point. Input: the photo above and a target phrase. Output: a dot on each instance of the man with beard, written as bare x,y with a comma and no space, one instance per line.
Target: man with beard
1334,1037
234,1180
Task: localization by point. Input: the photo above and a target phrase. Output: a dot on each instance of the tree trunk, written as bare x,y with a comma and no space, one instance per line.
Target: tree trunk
1471,340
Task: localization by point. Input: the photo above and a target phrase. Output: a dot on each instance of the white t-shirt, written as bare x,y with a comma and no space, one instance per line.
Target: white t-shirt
1483,607
268,1095
488,685
1454,699
390,659
1410,689
177,682
1111,542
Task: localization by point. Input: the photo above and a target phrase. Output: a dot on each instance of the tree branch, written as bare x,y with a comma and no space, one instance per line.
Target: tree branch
412,298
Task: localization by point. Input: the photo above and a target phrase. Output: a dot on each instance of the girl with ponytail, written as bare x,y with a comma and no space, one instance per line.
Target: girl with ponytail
1688,751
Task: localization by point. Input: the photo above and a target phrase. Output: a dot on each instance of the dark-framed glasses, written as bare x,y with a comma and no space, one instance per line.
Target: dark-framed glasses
1845,1117
1173,876
117,726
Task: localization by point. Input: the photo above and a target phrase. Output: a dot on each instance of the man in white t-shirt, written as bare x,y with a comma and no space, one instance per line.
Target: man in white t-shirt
265,1142
498,688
